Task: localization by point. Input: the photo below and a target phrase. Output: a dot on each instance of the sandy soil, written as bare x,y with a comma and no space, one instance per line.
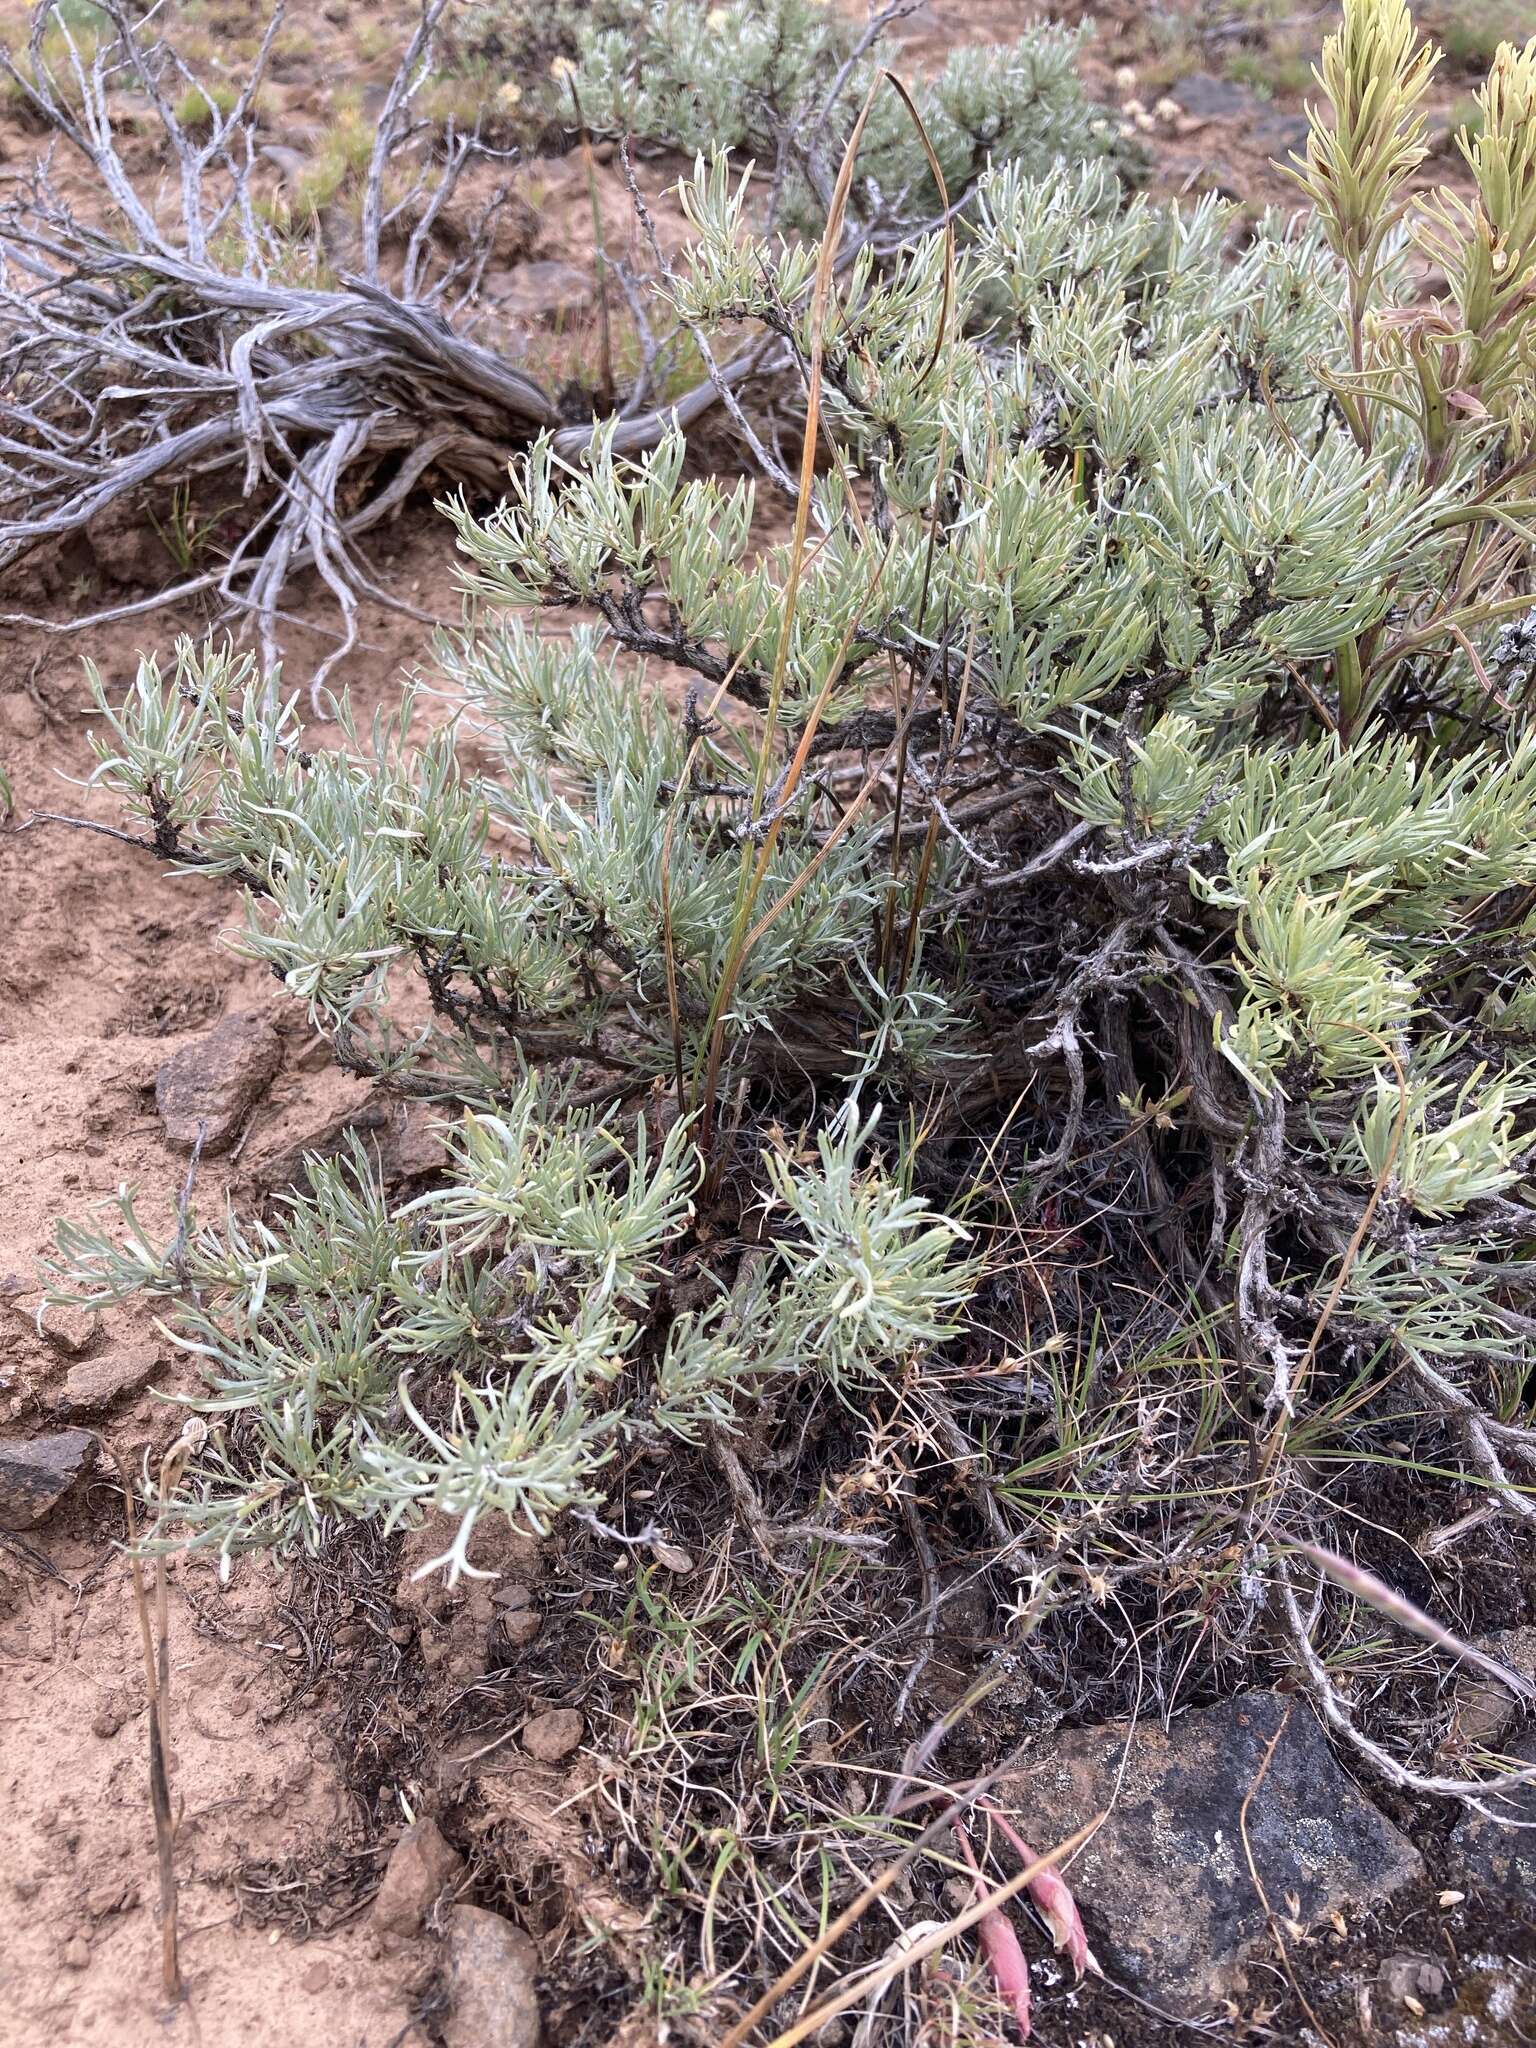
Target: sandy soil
108,967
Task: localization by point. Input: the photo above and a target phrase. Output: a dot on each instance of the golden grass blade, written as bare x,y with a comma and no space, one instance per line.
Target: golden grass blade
876,1976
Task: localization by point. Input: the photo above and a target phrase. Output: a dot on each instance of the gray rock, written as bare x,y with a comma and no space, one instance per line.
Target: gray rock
95,1383
1165,1882
421,1867
291,163
490,1967
217,1080
36,1472
1499,1854
1212,99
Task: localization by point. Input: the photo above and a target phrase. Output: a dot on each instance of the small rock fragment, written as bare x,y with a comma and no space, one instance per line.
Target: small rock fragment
553,1736
1283,135
111,1715
459,224
36,1472
412,1147
421,1867
491,1967
458,1623
21,717
312,1131
1484,1708
127,548
217,1080
1409,1980
92,1386
291,164
77,1953
315,1977
517,1615
1492,1998
67,1328
112,1895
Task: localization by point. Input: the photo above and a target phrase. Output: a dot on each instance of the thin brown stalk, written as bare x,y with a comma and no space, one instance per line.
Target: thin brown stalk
1351,1251
154,1638
820,296
599,252
852,1913
931,836
888,932
839,831
668,939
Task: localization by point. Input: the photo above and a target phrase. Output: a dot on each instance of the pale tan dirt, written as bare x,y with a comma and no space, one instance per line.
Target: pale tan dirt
107,967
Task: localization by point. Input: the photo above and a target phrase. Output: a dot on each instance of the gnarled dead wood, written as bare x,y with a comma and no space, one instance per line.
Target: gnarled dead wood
142,355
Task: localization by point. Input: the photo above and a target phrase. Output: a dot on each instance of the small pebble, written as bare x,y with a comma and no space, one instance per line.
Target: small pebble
316,1977
552,1736
77,1953
113,1895
517,1614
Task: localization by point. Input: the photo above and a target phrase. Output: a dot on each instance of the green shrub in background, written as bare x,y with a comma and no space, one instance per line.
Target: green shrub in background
782,82
1062,976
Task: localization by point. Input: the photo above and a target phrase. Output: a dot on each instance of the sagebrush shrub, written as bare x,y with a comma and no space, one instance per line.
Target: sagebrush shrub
1120,781
783,81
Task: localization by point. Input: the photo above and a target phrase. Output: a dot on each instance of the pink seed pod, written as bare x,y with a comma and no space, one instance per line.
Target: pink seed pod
1052,1898
1005,1959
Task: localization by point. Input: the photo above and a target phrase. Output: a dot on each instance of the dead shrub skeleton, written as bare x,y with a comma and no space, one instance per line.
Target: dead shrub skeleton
147,349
